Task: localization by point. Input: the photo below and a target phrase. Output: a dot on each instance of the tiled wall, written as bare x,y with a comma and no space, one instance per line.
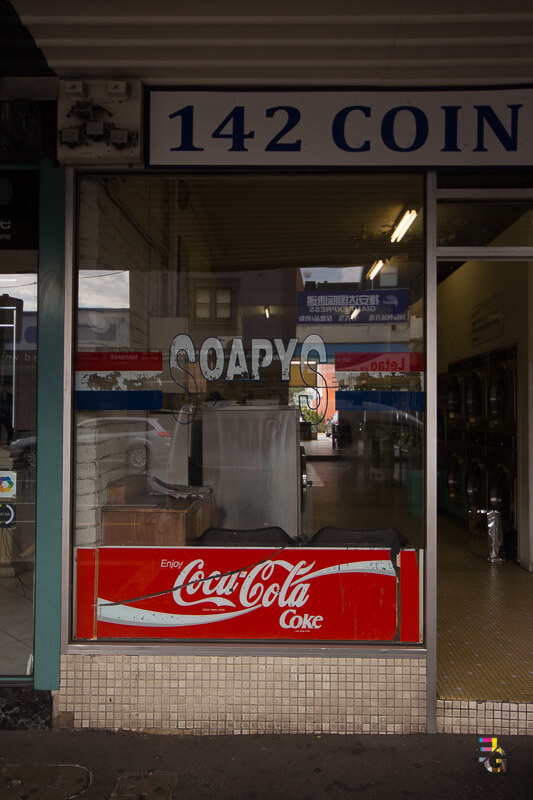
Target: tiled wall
242,694
491,719
266,694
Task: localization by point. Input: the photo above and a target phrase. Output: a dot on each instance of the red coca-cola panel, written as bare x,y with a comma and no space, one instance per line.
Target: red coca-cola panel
337,594
379,362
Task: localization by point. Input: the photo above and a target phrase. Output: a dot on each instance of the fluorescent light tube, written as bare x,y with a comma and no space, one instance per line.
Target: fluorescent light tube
374,269
404,225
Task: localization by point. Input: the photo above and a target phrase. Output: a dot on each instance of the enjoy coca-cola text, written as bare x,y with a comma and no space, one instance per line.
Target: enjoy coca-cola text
253,586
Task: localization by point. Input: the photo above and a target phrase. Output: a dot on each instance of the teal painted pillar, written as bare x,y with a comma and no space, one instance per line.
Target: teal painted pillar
50,307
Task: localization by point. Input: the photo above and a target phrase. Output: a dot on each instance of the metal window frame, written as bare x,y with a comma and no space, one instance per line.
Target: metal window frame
426,651
430,588
289,649
68,354
50,464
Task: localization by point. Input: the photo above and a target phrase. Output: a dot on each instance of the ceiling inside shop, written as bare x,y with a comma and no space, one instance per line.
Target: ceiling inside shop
267,222
298,42
311,220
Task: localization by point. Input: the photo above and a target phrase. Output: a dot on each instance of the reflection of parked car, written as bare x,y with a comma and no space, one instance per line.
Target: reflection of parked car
141,440
24,450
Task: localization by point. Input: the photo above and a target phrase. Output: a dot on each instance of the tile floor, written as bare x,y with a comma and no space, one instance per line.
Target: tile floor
485,624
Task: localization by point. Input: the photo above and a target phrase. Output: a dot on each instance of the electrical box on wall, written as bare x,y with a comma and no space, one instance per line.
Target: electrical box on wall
99,122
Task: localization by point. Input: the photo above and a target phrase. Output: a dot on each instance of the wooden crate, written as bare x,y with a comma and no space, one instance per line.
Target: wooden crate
175,523
126,490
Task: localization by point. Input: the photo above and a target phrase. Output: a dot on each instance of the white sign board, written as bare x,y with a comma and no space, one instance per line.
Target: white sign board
486,320
344,129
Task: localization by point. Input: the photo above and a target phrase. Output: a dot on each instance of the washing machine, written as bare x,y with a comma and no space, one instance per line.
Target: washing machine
476,477
475,392
451,494
501,391
502,482
455,408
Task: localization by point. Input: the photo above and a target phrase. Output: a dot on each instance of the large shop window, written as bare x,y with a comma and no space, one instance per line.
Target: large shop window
249,408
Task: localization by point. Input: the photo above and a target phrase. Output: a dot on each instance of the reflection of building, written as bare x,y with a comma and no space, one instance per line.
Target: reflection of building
109,327
18,363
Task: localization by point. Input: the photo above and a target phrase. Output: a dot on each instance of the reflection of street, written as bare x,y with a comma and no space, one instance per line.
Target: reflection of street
321,447
17,550
348,492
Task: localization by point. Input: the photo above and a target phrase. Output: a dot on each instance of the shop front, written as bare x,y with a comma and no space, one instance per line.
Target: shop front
250,536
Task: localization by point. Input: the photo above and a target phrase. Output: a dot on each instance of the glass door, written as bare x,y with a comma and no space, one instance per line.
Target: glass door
485,280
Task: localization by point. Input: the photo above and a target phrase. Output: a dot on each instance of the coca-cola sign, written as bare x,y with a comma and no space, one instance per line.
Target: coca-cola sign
340,594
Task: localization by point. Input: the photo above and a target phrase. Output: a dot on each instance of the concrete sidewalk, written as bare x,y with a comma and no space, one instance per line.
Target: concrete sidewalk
99,765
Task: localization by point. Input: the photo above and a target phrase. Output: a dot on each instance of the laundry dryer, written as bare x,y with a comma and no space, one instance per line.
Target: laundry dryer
501,391
475,392
476,477
451,494
455,407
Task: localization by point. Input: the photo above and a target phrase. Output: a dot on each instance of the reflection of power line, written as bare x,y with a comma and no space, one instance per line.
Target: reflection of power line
81,277
105,275
22,285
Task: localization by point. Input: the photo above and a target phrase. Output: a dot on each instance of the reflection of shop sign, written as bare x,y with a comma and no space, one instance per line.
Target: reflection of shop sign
379,362
329,593
353,308
110,362
376,400
7,515
117,380
486,320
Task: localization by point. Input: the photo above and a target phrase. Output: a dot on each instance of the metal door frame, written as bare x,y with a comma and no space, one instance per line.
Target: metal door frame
433,255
